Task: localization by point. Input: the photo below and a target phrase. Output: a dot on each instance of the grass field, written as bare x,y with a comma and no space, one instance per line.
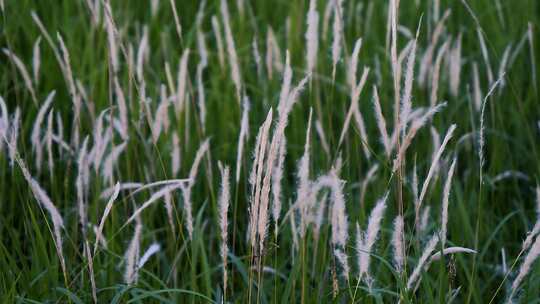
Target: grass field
317,151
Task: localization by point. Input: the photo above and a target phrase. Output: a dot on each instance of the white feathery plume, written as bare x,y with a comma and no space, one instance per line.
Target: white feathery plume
141,187
339,214
262,220
450,250
59,137
286,84
353,64
434,164
393,16
62,145
44,32
203,53
365,241
49,141
353,108
455,66
175,155
161,116
223,202
169,208
359,120
85,98
75,97
277,176
122,109
100,140
90,260
279,133
4,123
322,137
536,228
509,174
319,216
328,9
381,123
242,138
436,72
406,104
294,232
446,195
93,7
304,184
110,162
155,197
36,60
338,163
504,266
414,184
426,62
13,132
436,139
142,51
123,186
424,220
262,198
256,176
37,146
231,49
481,140
186,189
219,40
269,56
201,97
182,82
342,258
312,36
152,249
398,243
111,36
503,65
337,34
256,55
415,126
106,212
436,256
44,200
525,267
131,256
24,73
273,53
402,56
82,183
430,246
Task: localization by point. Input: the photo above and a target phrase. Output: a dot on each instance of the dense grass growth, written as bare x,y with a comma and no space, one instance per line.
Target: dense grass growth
119,116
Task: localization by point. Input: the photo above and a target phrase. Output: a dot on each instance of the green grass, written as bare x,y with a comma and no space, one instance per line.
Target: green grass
487,218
